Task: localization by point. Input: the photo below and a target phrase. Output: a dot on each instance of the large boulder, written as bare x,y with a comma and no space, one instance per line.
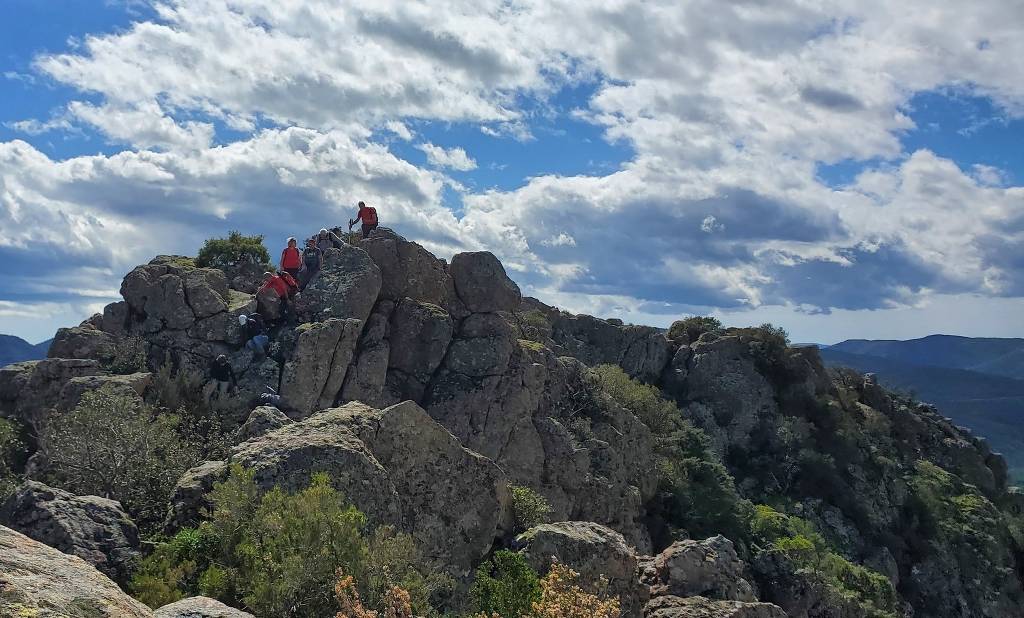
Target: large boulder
419,337
700,607
171,293
347,287
482,284
708,568
260,421
30,390
408,270
39,581
82,342
366,376
133,385
92,528
593,551
399,467
199,607
315,373
189,500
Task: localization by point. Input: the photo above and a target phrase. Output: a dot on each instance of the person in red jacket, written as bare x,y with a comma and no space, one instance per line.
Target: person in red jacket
291,258
368,215
278,285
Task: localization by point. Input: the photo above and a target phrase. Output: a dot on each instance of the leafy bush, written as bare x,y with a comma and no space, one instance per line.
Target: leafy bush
529,508
200,423
234,250
695,489
693,327
505,585
114,446
397,603
562,597
129,356
872,593
279,554
10,449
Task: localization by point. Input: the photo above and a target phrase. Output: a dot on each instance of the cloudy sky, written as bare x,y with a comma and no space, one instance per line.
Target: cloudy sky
844,169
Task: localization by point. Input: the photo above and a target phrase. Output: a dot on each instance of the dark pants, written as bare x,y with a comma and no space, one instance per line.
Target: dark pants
294,272
367,228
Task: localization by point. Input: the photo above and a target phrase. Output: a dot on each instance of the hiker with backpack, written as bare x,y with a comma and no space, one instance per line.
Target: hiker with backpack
291,258
278,288
312,260
368,215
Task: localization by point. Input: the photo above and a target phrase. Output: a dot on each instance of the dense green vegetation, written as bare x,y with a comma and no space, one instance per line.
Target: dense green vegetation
113,445
529,508
278,554
128,356
506,585
234,250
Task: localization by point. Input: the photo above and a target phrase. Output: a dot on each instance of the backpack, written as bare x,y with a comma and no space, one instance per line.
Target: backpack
371,219
291,258
293,285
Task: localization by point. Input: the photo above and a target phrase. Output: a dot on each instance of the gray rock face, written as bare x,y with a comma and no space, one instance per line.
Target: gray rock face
700,607
133,385
641,351
727,396
199,607
168,293
82,342
30,390
419,337
92,528
39,581
708,568
366,376
189,502
593,551
315,373
408,270
397,466
260,421
482,284
347,287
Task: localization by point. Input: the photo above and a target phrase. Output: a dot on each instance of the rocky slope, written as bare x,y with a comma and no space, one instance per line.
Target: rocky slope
425,389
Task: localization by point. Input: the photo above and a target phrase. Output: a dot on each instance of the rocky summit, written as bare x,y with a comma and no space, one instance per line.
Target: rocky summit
694,472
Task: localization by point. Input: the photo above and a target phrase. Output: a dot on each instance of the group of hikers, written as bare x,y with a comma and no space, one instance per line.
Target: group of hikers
296,270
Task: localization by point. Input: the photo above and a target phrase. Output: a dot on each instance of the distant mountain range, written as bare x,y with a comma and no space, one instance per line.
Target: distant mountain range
15,349
979,382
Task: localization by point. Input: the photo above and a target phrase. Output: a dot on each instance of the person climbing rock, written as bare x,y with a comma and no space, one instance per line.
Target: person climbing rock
289,280
224,381
368,215
291,258
256,338
327,239
312,260
277,285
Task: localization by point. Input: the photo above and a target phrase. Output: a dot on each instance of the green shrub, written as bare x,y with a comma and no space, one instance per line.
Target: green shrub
201,425
277,554
695,489
506,585
529,508
872,593
10,451
643,400
234,250
114,446
693,327
534,325
129,356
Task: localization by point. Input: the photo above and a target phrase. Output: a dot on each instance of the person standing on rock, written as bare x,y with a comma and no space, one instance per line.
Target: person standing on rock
368,215
291,259
312,260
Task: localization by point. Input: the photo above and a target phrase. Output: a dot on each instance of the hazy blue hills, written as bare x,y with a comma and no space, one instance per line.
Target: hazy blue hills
15,349
1003,357
966,378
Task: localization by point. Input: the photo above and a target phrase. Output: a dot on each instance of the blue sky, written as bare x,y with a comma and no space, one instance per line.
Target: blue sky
845,171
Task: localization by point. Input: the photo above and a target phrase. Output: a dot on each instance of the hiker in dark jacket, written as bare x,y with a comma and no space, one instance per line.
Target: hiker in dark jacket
312,260
223,376
368,215
256,338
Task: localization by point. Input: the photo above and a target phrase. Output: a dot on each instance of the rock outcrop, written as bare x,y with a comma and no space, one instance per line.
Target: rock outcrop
708,568
399,467
199,607
701,607
92,528
37,580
